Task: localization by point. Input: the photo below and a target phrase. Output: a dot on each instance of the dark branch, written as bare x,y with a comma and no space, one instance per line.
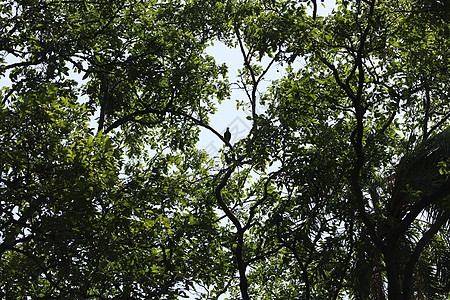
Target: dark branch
423,242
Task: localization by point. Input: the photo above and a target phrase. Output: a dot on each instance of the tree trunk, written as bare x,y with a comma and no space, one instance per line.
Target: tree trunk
392,270
243,283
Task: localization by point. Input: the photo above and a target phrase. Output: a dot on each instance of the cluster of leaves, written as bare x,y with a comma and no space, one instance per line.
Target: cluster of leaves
339,190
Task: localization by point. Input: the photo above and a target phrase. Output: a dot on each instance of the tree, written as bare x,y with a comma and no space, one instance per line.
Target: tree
78,220
339,189
345,106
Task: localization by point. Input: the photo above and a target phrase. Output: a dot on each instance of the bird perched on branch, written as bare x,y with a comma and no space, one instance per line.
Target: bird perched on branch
227,138
227,135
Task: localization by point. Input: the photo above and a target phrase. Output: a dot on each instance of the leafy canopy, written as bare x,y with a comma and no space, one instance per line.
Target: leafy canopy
338,190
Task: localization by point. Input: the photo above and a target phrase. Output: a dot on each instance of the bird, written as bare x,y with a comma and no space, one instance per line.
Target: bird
227,135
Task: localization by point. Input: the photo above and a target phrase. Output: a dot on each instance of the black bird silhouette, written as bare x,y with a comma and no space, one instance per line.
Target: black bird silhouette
227,135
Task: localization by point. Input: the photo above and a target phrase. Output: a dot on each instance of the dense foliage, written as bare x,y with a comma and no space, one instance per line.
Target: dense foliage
340,188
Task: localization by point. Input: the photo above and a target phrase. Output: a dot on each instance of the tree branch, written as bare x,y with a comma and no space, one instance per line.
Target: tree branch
416,209
423,242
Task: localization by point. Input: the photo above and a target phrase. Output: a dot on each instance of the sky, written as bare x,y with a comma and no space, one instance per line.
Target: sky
227,114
